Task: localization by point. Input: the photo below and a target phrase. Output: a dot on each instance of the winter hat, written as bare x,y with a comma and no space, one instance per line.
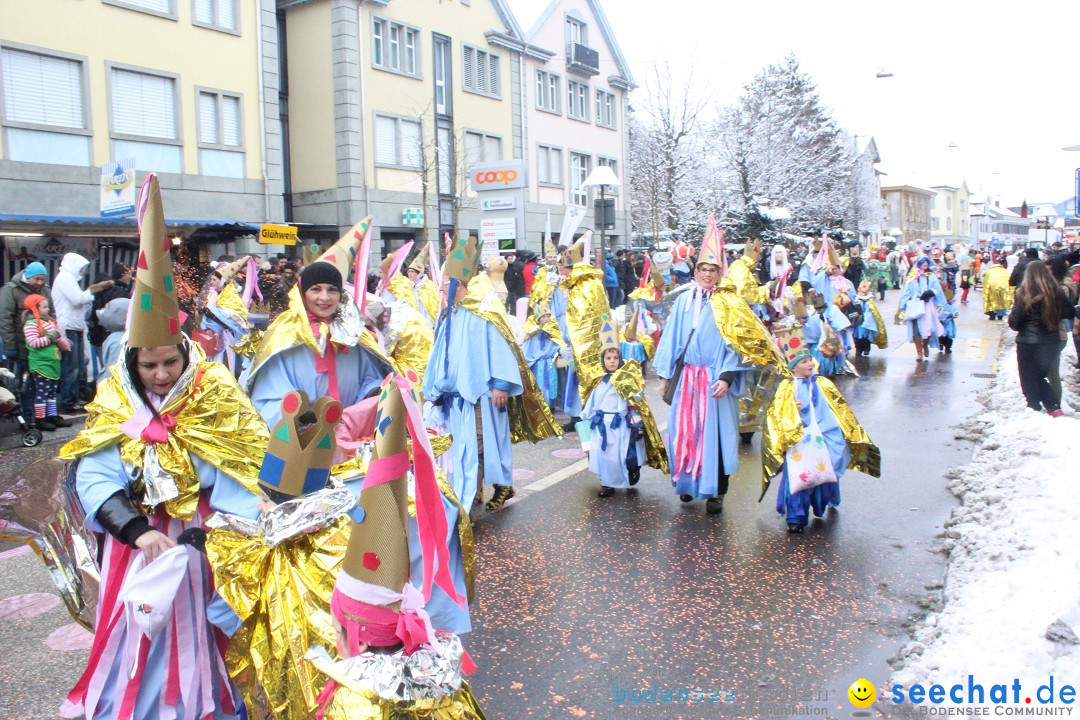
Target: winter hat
31,302
113,316
34,269
318,273
118,270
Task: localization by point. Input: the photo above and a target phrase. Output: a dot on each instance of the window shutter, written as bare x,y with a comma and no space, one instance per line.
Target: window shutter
161,6
492,149
410,143
143,104
42,89
204,11
473,149
467,68
226,15
480,72
493,78
230,121
208,119
385,141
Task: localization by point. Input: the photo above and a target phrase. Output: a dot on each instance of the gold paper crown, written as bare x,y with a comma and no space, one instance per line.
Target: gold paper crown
378,551
792,344
609,334
229,270
753,249
461,260
419,263
297,462
542,307
342,254
155,314
712,252
575,253
630,329
550,250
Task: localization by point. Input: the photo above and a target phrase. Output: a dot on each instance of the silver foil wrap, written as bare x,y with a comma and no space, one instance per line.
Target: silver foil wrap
39,506
301,516
346,327
424,675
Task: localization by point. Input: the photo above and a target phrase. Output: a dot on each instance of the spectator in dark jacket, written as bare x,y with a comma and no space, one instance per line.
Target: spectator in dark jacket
624,271
1017,274
121,277
856,267
1037,317
34,280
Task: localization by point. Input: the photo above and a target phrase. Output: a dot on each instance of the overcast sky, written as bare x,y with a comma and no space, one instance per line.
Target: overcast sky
997,80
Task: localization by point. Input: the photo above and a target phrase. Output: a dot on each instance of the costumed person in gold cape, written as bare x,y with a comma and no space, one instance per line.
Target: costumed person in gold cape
428,298
225,322
319,345
637,344
393,663
624,433
277,573
871,331
742,278
710,342
169,439
479,383
542,346
997,294
812,437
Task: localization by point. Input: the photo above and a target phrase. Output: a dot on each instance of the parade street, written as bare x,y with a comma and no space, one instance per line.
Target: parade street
584,602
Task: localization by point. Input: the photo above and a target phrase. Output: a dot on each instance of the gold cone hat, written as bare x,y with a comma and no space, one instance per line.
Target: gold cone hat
155,314
461,261
712,250
228,272
419,263
342,254
630,329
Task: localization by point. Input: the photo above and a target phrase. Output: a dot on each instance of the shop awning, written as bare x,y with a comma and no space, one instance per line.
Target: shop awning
72,221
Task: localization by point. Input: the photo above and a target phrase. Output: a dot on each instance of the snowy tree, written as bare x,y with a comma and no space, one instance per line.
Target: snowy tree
778,145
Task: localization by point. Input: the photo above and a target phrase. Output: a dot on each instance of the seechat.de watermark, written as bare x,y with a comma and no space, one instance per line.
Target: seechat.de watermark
654,693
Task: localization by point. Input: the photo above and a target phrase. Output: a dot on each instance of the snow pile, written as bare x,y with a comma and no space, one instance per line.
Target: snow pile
1012,592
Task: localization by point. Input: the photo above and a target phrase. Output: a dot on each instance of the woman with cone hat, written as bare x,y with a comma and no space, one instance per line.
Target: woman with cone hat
170,438
319,344
428,299
379,614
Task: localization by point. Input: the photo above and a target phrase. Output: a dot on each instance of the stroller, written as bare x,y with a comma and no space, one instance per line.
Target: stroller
12,382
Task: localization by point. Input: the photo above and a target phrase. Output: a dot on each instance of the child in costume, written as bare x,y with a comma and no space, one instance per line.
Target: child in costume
825,344
871,331
294,550
947,315
621,419
811,437
637,344
43,344
393,663
543,343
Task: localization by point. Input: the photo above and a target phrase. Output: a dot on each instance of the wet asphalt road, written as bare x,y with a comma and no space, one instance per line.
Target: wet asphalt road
581,599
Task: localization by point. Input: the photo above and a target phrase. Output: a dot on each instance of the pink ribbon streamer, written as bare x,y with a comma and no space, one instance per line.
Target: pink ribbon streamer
690,423
361,272
251,282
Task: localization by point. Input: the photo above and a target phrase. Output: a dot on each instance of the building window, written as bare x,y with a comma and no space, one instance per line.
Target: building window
577,100
948,202
576,31
44,101
395,47
215,14
482,148
143,110
580,165
548,165
547,92
397,142
948,224
443,91
614,165
605,109
445,150
164,8
221,136
480,70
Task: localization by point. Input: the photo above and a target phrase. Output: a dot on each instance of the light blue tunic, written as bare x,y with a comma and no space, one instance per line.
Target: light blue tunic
913,290
540,352
797,507
571,398
100,475
480,360
707,349
611,432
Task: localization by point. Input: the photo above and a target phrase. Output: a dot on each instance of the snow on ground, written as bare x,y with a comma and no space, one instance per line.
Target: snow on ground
1013,574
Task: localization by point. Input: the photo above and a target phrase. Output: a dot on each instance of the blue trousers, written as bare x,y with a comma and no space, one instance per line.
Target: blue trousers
72,369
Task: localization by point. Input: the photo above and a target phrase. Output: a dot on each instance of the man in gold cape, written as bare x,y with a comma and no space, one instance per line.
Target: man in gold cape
997,294
479,383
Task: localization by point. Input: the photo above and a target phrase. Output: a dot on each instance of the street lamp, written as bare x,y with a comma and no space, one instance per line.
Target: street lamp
603,177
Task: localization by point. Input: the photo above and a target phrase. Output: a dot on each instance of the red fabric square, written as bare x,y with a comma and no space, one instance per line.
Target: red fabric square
371,561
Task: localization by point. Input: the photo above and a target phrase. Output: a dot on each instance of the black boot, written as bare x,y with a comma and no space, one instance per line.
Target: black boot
59,421
502,493
635,475
44,425
605,491
686,498
794,528
714,505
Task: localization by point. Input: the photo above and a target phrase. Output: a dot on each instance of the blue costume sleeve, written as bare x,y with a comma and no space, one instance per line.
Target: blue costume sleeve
480,356
99,475
226,494
812,329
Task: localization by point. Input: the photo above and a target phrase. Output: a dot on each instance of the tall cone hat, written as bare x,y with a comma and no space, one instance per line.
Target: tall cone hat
228,272
419,263
342,254
712,247
461,260
378,551
630,329
155,314
575,253
609,334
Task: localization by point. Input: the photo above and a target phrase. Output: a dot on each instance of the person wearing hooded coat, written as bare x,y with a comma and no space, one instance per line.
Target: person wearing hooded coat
71,303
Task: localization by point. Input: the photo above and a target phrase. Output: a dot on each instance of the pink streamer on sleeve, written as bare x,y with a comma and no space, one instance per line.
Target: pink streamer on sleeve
395,265
360,275
251,282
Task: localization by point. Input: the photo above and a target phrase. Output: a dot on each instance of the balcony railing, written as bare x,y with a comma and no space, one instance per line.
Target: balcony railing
582,59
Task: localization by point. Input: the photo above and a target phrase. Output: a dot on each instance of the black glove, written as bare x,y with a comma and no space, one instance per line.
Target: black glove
195,537
928,295
121,519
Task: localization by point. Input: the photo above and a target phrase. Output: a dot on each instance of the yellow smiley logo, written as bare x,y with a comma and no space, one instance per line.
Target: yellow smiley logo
862,694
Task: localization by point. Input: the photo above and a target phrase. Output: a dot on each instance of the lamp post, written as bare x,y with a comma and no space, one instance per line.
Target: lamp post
603,177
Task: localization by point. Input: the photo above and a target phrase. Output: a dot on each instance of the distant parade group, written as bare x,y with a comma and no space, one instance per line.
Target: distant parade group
282,518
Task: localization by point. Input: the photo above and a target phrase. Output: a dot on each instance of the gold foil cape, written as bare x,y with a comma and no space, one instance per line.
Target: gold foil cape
741,278
743,329
422,686
402,289
530,416
882,337
784,428
586,302
292,328
249,344
754,402
997,294
214,420
429,296
40,508
629,382
231,306
282,595
551,327
409,338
